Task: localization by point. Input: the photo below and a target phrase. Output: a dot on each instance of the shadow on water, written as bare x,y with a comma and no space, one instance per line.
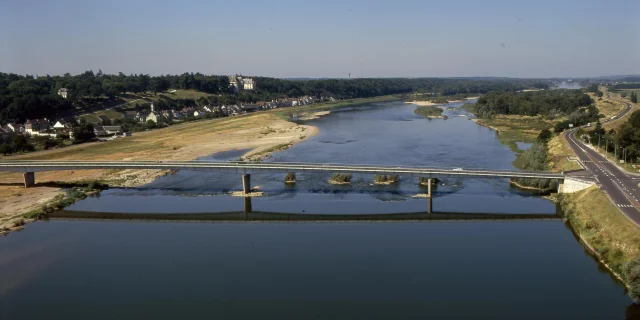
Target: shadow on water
249,215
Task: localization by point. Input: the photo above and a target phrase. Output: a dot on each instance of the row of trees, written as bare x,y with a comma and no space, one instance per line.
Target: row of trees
623,142
546,102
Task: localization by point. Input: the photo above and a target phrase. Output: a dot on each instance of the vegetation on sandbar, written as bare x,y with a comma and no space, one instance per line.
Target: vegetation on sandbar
424,181
340,178
385,178
429,112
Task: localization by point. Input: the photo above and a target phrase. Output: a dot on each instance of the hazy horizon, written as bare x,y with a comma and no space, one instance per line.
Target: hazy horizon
328,39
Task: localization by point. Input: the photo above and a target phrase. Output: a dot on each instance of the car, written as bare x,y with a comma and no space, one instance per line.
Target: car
457,169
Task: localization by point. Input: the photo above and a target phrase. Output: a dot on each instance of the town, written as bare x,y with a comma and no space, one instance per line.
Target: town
46,133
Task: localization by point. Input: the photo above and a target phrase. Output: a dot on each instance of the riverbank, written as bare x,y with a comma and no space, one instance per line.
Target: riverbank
605,231
597,223
263,132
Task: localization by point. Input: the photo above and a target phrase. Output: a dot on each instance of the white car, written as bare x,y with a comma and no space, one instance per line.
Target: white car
457,169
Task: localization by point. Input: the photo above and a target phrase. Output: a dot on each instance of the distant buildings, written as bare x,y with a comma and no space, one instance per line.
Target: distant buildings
34,126
238,83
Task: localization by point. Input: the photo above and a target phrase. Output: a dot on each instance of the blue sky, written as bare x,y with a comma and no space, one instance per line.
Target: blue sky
327,38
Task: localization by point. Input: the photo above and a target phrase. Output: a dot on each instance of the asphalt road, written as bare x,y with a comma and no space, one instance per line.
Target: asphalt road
622,188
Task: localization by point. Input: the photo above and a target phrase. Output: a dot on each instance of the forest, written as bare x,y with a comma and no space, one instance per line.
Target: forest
25,96
532,103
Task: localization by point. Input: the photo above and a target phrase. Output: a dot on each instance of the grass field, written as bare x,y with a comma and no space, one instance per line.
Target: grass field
512,129
603,226
112,114
558,153
608,106
184,94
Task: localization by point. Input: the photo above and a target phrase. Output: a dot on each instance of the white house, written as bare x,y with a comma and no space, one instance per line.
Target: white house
238,82
153,115
198,113
36,125
15,127
63,92
247,84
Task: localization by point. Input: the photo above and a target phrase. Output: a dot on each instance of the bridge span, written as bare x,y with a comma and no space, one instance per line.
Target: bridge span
29,167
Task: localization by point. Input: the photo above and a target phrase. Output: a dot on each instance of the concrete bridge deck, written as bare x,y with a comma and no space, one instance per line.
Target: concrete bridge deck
267,167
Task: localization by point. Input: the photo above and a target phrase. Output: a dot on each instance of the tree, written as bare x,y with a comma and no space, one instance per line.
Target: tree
545,135
83,132
634,97
632,275
5,149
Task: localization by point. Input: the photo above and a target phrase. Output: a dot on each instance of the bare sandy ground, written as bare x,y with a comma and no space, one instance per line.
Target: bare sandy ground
264,133
423,103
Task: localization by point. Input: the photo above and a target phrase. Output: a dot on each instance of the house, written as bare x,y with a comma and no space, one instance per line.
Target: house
247,84
142,116
34,126
63,92
15,127
198,113
250,108
238,83
104,119
62,126
101,131
130,115
153,116
235,81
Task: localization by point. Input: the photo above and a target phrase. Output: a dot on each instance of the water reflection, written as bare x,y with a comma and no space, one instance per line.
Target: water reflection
247,214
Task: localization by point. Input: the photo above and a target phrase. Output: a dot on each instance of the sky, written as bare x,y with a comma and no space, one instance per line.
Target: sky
296,38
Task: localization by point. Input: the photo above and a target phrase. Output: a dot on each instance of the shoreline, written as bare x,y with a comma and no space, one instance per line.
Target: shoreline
480,123
527,187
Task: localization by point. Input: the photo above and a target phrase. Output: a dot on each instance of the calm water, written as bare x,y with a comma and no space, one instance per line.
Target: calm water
245,270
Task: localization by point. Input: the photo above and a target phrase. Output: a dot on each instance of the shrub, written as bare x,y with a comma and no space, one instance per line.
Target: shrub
384,178
341,177
290,177
425,180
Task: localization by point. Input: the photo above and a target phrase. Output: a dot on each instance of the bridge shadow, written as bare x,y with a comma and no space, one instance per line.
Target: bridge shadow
297,217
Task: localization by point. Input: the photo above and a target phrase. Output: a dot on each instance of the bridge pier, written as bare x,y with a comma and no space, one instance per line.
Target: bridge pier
429,184
247,205
430,205
29,179
246,183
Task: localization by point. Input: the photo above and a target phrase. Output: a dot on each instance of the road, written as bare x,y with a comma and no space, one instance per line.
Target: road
622,188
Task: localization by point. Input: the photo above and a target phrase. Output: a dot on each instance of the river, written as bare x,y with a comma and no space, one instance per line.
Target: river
78,269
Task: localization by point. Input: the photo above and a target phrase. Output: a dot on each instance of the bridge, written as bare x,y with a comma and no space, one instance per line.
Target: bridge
29,167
